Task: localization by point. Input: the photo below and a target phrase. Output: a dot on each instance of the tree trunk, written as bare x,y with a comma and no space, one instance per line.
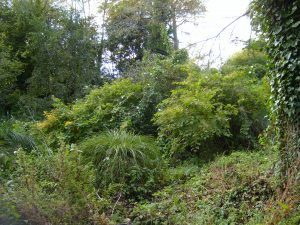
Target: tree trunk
174,29
101,47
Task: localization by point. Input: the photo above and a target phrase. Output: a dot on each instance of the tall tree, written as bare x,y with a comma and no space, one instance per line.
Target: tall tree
179,12
56,48
279,21
10,68
126,32
134,26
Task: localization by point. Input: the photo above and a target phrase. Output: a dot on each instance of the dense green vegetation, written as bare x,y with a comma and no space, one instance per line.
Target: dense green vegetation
160,140
280,22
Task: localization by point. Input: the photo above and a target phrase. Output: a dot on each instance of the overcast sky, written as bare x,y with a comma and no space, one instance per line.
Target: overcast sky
219,14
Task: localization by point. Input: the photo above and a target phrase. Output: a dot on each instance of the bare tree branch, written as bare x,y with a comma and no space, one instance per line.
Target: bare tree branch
221,31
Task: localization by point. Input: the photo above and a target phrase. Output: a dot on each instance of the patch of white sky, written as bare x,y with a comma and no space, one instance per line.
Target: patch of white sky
219,13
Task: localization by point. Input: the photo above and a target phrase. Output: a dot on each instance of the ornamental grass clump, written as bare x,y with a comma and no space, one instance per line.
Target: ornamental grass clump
122,157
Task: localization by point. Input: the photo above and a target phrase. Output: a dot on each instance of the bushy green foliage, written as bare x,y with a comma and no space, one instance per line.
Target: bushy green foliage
124,158
254,61
191,116
108,107
50,51
279,22
158,76
13,136
56,188
233,189
127,104
212,110
97,159
10,68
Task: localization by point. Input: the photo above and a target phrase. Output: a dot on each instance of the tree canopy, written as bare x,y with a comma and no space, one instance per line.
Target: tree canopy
52,51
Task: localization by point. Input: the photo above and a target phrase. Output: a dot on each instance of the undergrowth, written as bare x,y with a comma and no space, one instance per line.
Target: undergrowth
235,189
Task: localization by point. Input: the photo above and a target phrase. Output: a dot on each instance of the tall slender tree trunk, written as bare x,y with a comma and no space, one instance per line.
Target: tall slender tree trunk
174,29
101,48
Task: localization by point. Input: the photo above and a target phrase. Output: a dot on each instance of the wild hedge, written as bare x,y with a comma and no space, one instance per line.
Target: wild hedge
212,111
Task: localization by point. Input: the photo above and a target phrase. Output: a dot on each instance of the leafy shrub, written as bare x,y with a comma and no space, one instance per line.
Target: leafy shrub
212,110
124,158
108,107
253,60
127,104
250,96
158,76
56,188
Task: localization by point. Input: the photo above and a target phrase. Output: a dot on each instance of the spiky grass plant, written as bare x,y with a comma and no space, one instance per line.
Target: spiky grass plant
119,155
13,140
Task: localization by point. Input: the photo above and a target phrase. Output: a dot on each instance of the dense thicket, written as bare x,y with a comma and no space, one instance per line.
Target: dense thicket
213,112
143,145
195,113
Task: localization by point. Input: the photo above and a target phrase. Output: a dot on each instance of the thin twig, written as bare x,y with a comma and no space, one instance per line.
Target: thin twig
112,212
221,31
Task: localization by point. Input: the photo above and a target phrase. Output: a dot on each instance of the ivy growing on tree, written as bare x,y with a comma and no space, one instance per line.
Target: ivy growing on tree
279,21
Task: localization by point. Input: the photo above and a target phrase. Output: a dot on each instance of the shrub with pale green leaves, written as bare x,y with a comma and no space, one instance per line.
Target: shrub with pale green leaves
127,104
108,107
158,76
212,111
252,61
